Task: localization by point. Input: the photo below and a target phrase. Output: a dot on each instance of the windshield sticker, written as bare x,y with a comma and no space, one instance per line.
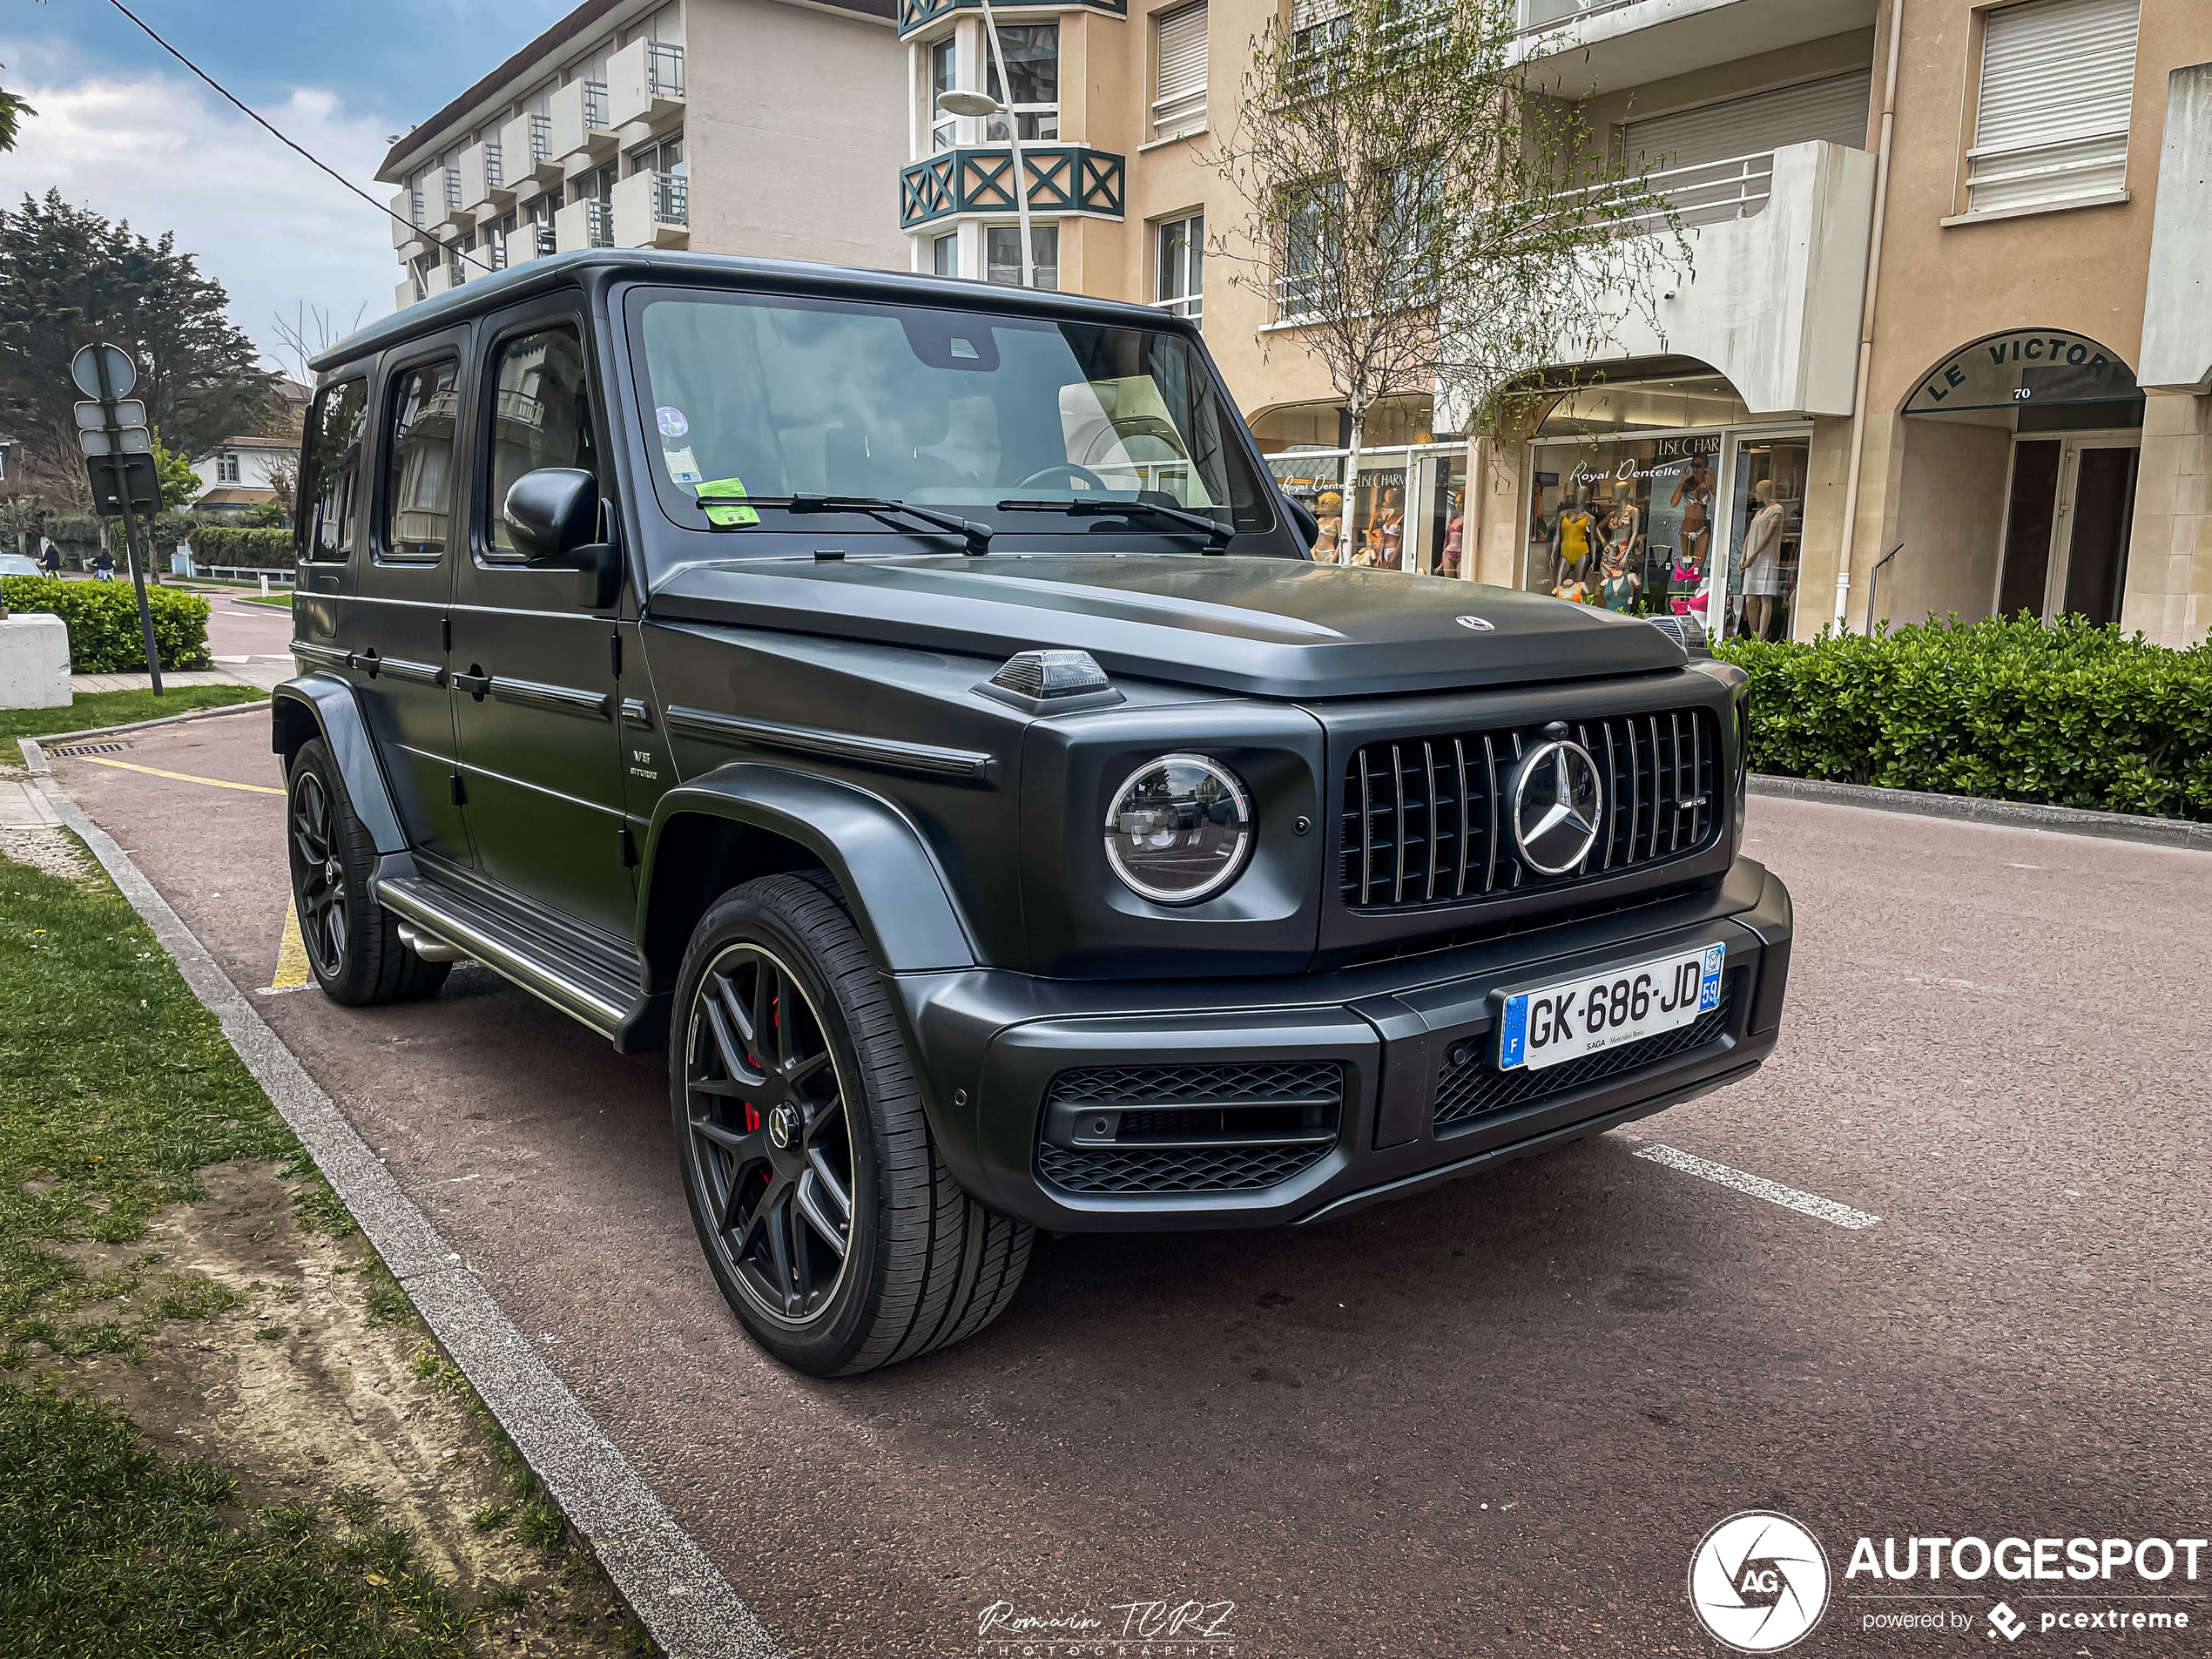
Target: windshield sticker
672,423
683,465
725,489
962,347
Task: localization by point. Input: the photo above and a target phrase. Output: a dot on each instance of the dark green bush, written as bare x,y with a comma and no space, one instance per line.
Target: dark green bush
2067,713
102,619
228,544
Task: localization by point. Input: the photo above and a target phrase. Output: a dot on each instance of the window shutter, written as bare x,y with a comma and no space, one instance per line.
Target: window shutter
1181,106
1834,110
2058,81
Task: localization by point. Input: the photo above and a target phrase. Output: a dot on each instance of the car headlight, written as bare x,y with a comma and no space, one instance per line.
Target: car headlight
1179,829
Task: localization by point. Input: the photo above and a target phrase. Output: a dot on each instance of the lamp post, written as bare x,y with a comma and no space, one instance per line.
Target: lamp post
982,104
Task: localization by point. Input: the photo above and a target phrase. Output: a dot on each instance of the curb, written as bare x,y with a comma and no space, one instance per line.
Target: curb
685,1604
2010,814
56,738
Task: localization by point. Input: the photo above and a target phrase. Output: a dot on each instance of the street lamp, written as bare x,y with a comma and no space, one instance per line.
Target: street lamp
981,105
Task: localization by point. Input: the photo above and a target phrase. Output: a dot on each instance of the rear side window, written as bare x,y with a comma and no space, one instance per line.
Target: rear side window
331,468
418,505
540,417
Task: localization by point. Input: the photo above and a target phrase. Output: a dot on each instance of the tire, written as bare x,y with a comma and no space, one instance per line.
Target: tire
821,1143
352,942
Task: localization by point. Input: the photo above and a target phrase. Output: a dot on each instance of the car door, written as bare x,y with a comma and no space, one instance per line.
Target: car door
393,630
536,687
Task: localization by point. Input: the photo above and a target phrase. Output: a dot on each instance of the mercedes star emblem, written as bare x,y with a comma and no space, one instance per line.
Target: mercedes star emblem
1558,804
783,1126
1480,625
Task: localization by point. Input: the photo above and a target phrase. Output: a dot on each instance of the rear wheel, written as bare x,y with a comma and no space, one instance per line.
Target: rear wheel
352,942
838,1236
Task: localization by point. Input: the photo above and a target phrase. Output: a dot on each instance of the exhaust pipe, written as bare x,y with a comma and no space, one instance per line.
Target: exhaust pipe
429,949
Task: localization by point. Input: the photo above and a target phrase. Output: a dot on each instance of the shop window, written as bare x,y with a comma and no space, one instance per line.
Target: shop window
1180,50
2056,88
1003,255
1178,283
1032,64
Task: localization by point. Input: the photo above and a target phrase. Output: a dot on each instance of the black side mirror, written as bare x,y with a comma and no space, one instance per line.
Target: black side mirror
553,514
1302,520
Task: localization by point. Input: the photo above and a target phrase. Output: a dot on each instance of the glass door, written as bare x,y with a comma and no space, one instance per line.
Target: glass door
1755,589
1436,519
2070,503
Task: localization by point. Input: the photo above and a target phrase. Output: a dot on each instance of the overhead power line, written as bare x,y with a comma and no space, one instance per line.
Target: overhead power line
231,99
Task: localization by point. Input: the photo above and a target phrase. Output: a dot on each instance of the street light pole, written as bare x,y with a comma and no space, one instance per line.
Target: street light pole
1014,142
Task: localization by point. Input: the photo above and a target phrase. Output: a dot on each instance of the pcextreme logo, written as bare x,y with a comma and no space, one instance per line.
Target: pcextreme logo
1758,1582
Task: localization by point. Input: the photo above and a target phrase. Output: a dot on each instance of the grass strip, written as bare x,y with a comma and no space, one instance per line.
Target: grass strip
90,709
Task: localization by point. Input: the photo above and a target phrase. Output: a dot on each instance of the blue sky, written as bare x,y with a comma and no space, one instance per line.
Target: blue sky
122,129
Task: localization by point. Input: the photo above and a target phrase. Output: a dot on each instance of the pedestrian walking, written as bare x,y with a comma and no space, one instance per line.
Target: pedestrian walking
50,554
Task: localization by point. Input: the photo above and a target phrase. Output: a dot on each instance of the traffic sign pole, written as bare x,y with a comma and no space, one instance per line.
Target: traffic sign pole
103,359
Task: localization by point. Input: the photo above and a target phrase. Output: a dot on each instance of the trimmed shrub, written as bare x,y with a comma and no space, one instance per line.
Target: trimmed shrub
2065,714
102,619
232,545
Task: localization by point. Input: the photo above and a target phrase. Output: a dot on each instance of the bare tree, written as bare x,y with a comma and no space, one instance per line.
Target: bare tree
1432,225
306,334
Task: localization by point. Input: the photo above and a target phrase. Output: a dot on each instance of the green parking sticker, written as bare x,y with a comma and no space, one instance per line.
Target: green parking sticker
727,489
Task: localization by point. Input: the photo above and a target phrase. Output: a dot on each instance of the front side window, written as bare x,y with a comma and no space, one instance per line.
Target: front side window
540,417
1179,266
775,396
1032,64
1002,255
419,499
330,469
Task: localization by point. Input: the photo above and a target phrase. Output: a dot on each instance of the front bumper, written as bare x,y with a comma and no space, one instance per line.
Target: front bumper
992,1043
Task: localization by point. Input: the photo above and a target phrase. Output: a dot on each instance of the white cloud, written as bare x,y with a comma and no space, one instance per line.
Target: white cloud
168,155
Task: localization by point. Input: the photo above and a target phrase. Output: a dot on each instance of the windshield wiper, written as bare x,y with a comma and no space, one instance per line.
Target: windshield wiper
1217,534
975,538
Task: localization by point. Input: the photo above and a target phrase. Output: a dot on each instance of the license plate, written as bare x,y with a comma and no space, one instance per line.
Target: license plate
1555,1023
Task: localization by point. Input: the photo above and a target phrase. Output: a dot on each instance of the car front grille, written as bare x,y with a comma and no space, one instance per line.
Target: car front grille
1428,820
1474,1089
1207,1127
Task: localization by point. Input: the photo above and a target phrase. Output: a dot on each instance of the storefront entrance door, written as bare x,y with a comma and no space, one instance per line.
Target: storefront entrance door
2066,529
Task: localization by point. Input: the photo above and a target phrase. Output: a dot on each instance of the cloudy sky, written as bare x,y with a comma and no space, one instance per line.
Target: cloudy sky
123,129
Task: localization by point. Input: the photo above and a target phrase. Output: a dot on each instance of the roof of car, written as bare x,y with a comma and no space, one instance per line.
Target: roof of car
788,276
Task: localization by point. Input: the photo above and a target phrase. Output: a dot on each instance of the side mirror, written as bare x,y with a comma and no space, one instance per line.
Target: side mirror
553,514
1302,519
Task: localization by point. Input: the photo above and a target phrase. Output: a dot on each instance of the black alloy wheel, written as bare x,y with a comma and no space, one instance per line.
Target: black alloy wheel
769,1138
320,876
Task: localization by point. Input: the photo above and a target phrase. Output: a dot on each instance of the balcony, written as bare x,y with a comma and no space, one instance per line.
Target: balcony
652,210
1778,243
530,242
1063,179
484,191
407,223
1603,46
918,14
576,123
584,224
645,83
438,279
526,152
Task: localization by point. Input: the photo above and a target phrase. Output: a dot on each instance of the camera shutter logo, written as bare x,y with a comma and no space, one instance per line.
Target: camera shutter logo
1758,1582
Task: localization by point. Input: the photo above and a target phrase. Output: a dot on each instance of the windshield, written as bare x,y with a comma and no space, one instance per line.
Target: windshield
769,396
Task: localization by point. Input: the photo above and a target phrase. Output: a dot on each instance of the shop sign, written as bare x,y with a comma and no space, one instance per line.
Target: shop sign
2025,365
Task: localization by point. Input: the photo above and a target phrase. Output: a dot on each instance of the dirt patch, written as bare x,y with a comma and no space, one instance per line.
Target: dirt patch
56,852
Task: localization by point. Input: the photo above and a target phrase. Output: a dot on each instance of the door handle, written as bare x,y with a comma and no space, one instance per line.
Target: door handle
475,682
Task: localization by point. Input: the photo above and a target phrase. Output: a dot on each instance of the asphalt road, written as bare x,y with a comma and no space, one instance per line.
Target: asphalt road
1495,1419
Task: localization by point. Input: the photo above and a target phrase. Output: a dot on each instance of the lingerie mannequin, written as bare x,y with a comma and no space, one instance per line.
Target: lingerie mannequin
1622,582
1694,494
1330,510
1575,536
1761,565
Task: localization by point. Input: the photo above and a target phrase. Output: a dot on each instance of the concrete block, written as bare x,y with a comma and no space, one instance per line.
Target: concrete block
34,661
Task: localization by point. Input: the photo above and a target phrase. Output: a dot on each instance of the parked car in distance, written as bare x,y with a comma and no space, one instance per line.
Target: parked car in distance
17,564
910,702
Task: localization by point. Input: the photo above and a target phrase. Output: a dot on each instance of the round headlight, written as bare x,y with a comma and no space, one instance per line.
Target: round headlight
1178,829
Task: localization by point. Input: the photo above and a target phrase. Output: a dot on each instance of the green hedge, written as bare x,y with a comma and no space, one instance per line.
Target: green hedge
102,619
2065,714
78,536
225,544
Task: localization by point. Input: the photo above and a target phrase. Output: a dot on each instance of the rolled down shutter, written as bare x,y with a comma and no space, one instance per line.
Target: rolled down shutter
2058,81
1181,106
1834,110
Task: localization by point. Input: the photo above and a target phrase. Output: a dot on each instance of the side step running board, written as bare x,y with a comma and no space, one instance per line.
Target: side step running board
604,1000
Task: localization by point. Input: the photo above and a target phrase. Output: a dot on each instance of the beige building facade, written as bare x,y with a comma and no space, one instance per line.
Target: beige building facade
763,127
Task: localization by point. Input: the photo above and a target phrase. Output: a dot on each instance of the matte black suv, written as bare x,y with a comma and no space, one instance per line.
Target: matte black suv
912,703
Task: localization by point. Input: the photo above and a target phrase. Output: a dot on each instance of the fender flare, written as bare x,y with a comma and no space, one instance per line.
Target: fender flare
329,702
898,896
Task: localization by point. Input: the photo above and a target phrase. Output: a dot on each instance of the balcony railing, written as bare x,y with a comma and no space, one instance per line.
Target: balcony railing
1712,192
664,69
541,138
495,175
415,206
916,14
548,243
1191,306
453,188
595,106
671,198
599,220
1063,178
1549,14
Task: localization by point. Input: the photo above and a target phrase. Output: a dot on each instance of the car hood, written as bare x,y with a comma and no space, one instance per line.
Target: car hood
1261,626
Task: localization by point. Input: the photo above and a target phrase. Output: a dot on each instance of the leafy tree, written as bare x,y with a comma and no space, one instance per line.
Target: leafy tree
180,483
12,110
68,277
1431,224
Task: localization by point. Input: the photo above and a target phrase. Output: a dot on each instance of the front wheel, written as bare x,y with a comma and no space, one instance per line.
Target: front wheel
835,1229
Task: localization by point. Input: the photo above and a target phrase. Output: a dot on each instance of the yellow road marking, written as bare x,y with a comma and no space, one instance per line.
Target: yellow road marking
292,955
180,777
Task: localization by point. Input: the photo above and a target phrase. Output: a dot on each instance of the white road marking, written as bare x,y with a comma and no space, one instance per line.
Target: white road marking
1804,1204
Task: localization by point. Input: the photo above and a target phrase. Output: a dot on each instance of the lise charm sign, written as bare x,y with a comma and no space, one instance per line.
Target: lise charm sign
1556,1024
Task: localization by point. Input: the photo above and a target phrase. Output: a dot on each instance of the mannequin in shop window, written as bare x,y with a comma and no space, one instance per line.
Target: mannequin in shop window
1694,494
1330,510
1576,537
1447,560
1388,534
1622,582
1761,565
1624,532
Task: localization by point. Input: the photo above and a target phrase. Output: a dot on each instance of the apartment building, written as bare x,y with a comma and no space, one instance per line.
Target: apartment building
2031,428
764,127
